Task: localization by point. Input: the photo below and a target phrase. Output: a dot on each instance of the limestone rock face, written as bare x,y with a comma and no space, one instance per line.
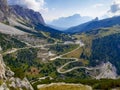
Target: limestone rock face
4,10
107,70
2,68
5,71
18,12
18,83
27,14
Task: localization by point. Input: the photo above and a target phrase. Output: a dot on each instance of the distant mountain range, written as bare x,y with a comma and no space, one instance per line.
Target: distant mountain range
95,24
66,22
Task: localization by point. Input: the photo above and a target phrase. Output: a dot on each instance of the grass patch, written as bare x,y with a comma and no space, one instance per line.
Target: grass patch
64,87
74,54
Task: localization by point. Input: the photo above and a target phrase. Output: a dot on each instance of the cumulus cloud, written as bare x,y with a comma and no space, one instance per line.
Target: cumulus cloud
115,8
37,5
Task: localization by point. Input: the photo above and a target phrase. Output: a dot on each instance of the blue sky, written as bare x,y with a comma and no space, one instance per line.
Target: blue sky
59,8
53,9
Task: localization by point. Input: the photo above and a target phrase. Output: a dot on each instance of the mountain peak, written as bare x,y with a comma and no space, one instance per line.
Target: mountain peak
77,15
96,19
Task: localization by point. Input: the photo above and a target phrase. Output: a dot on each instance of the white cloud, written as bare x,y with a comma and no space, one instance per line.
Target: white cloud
115,8
97,5
117,1
37,5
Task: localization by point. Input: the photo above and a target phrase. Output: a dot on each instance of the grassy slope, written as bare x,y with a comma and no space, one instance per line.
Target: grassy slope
89,36
74,54
65,87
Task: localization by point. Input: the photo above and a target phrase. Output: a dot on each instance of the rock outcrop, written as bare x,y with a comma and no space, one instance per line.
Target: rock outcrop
107,70
18,83
9,81
4,10
2,68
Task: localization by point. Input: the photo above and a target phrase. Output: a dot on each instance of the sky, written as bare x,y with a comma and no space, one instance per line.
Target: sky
53,9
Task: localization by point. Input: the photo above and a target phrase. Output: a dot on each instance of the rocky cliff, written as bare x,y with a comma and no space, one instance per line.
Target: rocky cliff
18,12
2,68
28,15
4,10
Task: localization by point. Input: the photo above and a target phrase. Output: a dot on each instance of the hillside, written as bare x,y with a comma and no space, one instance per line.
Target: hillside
102,45
95,24
106,49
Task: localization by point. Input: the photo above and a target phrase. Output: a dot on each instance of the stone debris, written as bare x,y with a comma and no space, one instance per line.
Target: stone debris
107,70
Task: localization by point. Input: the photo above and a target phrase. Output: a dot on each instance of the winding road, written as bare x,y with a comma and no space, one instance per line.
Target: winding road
59,70
60,56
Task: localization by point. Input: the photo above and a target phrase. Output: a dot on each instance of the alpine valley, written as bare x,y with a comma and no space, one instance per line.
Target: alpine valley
34,56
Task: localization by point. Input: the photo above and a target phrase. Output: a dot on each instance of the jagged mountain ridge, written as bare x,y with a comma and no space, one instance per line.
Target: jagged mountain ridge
28,14
18,12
